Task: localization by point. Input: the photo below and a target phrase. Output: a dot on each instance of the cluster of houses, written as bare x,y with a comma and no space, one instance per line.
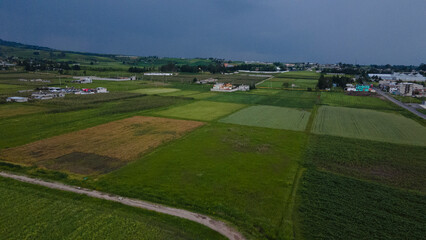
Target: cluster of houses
34,80
402,88
359,88
227,87
47,93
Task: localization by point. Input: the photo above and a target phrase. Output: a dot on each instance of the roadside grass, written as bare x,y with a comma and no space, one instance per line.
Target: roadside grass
200,110
237,173
340,99
400,166
408,99
337,207
369,125
19,130
155,90
100,149
35,212
270,117
16,109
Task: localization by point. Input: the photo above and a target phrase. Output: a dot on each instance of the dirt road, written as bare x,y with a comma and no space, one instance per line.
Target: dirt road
215,225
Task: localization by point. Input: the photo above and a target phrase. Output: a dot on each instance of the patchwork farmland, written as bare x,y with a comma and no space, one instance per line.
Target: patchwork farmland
274,164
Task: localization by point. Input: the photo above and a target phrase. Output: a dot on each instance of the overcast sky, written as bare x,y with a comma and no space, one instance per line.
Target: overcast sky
325,31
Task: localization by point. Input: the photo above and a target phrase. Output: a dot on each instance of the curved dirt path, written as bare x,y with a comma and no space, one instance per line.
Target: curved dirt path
215,225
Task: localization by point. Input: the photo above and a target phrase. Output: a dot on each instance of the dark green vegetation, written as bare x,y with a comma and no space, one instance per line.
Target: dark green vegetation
270,117
397,165
241,174
292,99
337,207
62,215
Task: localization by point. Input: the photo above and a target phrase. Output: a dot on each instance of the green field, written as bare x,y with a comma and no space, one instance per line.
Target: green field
291,83
340,99
299,75
155,90
337,207
292,99
201,110
368,124
240,174
396,165
33,212
270,117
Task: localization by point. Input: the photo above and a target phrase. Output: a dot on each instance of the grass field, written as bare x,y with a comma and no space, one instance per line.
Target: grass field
201,110
400,166
337,207
33,212
339,99
102,148
270,117
16,109
299,75
292,83
155,90
241,174
368,124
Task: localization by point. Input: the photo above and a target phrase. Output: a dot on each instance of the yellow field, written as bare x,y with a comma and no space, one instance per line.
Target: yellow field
102,148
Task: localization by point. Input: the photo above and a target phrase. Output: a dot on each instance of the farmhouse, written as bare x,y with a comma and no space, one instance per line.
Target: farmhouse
17,99
101,90
227,87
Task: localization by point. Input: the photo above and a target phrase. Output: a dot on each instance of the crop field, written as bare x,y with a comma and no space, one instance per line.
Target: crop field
201,110
102,148
337,207
238,173
291,83
270,117
203,95
299,75
52,214
19,130
339,99
16,109
368,124
292,99
183,93
155,90
396,165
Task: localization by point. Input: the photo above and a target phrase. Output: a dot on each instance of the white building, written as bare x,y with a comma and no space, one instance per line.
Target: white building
158,74
17,99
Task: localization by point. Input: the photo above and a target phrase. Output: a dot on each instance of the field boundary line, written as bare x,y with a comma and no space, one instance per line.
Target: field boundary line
216,225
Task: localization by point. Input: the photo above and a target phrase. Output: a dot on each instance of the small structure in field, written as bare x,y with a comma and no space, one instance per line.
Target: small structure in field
101,90
46,95
158,74
83,80
17,99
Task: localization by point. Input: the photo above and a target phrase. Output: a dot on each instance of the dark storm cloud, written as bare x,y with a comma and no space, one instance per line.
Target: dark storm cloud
363,31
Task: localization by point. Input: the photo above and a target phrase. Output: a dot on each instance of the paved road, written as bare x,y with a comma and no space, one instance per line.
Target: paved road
411,109
215,225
